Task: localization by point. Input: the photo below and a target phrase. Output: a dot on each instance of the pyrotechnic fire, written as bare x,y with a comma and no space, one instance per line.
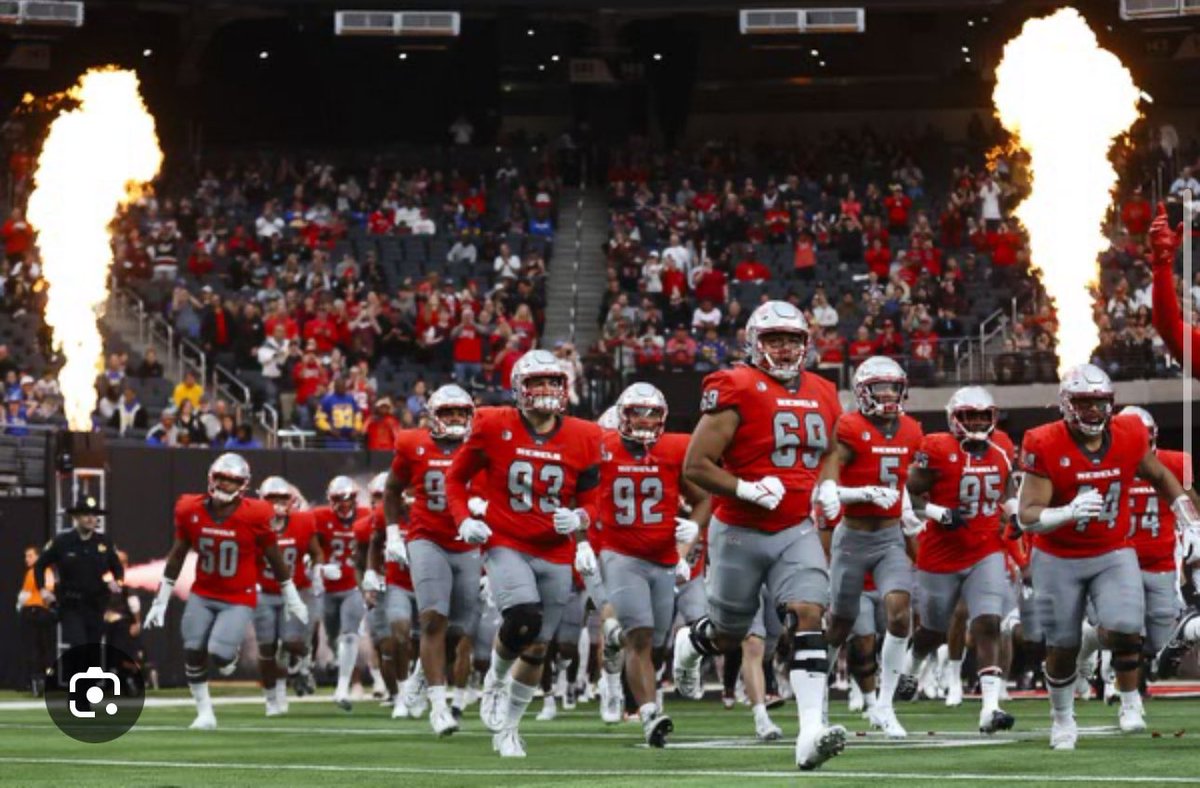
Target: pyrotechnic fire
95,159
1066,100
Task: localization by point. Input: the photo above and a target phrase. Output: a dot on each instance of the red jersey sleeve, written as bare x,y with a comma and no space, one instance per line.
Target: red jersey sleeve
468,462
401,467
720,392
1033,454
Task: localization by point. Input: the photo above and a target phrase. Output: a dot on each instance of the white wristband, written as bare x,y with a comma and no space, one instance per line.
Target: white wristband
164,590
1049,520
393,533
1010,508
935,512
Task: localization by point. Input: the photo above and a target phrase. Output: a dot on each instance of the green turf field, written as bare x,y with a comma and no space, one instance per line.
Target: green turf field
317,745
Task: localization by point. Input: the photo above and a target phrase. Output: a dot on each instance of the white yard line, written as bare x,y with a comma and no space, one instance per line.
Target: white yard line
651,773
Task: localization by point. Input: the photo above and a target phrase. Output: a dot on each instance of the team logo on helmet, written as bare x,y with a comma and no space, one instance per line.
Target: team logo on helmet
342,494
971,414
1085,398
451,412
539,383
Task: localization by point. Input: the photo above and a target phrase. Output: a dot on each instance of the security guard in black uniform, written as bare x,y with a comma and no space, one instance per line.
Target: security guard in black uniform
88,572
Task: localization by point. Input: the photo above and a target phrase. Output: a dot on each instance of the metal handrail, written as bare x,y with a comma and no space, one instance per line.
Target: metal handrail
199,365
268,419
232,388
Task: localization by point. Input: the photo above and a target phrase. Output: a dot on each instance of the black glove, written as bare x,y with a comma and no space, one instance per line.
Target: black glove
956,520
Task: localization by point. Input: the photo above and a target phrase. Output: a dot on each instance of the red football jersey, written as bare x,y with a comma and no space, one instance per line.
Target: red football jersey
375,522
293,546
228,551
1151,521
421,464
974,484
639,496
879,459
1050,451
526,477
781,433
338,538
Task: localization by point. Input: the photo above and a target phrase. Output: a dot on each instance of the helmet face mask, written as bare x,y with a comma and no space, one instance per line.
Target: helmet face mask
451,412
228,478
540,384
641,413
782,353
777,340
342,495
1086,399
880,387
972,414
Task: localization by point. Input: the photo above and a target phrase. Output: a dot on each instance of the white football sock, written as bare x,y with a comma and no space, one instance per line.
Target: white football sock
1062,699
460,698
892,663
280,690
500,665
953,672
519,696
990,685
1131,699
347,656
437,696
1089,644
377,678
200,695
760,714
870,700
809,685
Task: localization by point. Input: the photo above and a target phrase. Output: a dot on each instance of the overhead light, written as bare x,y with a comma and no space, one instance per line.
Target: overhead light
531,32
263,55
147,52
966,60
822,64
985,20
404,56
970,23
814,52
658,56
541,66
966,49
554,58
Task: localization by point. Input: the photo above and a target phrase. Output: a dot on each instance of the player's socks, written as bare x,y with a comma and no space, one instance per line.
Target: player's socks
760,714
377,682
1062,698
519,696
460,697
892,658
870,700
347,656
1131,699
990,684
953,673
809,674
437,696
500,666
1089,644
200,695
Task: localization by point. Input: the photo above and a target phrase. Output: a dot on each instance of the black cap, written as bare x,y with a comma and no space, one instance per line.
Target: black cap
86,505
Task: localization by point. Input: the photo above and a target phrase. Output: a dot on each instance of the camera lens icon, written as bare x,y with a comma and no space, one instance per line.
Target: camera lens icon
95,693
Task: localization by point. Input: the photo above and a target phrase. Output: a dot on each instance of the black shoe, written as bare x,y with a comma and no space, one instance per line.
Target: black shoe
773,702
906,687
1176,649
657,729
344,704
457,712
1000,721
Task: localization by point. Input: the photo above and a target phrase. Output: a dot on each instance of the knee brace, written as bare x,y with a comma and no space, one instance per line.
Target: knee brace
1125,649
535,660
810,652
520,626
195,673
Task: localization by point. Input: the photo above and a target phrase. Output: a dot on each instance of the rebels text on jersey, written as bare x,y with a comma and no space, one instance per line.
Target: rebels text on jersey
338,538
293,544
639,496
879,459
1151,521
228,551
781,433
375,522
526,477
974,485
1051,452
421,464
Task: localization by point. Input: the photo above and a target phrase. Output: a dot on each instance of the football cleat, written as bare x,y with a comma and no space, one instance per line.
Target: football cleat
656,730
996,720
855,701
414,692
686,667
773,701
884,718
766,730
906,687
818,746
1176,649
493,703
549,710
443,721
954,691
1063,736
344,704
274,710
508,743
399,710
1130,720
457,713
205,721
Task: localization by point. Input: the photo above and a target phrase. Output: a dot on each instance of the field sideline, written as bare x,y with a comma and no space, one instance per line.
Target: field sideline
317,745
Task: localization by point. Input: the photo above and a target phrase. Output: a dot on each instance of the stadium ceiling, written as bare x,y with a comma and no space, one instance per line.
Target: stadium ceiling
563,7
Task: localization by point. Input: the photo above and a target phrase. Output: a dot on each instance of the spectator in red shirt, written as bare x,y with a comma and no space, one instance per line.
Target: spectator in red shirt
467,337
309,377
672,277
380,221
897,206
504,361
804,259
889,342
1136,214
923,349
322,330
862,347
18,236
879,258
851,206
681,349
710,283
649,355
382,427
831,347
1003,244
751,270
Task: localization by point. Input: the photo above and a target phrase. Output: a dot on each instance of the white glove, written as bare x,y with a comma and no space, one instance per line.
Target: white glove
318,585
1010,508
1086,505
910,524
291,599
883,497
825,498
567,521
1191,546
477,507
372,581
683,571
331,571
394,549
585,560
474,531
1185,513
767,492
158,610
686,530
22,598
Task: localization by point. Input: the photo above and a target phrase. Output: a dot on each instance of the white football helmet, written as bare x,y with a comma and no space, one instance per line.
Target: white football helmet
1086,384
609,420
777,317
342,494
276,491
1146,418
641,400
450,397
540,365
228,467
880,371
377,485
967,402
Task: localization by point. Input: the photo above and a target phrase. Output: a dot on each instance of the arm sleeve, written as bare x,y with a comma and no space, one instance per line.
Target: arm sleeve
470,460
1168,319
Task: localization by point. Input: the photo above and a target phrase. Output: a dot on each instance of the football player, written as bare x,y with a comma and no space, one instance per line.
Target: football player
229,533
961,481
641,479
868,471
1152,529
296,536
445,569
763,435
541,476
344,607
1074,498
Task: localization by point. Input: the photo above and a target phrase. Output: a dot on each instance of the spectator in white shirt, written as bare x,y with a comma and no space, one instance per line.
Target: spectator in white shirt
270,224
507,265
652,274
706,315
463,251
989,198
461,131
424,225
680,254
1186,181
407,214
825,315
